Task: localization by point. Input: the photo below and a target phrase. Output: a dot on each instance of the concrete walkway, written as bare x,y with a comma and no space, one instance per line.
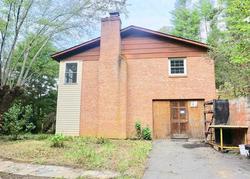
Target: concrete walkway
51,171
170,159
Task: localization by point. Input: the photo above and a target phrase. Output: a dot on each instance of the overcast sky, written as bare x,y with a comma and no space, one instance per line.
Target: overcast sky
151,14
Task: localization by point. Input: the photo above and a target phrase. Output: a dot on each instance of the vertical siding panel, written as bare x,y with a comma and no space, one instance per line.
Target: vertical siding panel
68,103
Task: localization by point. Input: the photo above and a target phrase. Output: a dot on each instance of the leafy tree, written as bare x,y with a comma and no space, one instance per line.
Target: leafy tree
186,21
232,79
41,90
230,48
233,40
236,42
208,14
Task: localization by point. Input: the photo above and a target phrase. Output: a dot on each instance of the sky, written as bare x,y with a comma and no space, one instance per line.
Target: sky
152,14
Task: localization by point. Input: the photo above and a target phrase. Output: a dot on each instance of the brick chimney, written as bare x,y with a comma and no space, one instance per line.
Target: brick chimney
111,78
110,37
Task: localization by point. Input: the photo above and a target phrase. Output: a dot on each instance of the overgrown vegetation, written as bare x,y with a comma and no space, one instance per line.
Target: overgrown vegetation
142,133
125,156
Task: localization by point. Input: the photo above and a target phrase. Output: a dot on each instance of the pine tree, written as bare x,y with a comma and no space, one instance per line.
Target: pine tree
186,21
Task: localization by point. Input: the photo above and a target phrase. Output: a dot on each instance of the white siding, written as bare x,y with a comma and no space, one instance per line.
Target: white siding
69,102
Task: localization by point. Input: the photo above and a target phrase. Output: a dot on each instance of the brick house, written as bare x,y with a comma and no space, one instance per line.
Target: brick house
133,74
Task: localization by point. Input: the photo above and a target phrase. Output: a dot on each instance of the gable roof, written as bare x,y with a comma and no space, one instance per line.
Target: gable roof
96,42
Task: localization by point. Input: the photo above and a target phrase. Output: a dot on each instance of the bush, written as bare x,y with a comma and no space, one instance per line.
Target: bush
138,129
142,133
146,133
16,120
57,140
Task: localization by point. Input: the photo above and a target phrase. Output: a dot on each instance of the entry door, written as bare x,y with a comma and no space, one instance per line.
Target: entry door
179,118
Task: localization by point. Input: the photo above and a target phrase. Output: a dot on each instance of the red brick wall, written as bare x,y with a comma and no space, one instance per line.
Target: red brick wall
89,94
148,79
240,113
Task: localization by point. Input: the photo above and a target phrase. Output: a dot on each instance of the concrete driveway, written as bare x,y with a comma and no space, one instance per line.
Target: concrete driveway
174,159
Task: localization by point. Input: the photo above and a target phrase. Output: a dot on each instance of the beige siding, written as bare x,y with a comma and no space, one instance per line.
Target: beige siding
68,103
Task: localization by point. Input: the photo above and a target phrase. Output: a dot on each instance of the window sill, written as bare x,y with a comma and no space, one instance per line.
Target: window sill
69,84
177,76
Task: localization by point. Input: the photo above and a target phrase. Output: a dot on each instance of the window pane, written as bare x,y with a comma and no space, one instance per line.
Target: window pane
177,66
71,73
182,113
71,67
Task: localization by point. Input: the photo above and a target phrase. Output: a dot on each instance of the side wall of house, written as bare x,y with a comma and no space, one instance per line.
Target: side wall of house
68,102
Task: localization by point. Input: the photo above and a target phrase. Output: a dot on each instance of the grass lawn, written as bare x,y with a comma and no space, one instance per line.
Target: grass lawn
125,156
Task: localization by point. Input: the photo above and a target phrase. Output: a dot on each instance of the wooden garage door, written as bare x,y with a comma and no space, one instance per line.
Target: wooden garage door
161,117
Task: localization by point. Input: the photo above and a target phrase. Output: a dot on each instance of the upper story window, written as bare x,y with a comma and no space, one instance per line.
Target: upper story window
71,73
177,66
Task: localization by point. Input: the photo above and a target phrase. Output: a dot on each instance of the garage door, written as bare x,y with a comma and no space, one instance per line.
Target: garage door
178,118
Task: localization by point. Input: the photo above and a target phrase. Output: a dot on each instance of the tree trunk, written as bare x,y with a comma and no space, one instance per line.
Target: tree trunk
7,97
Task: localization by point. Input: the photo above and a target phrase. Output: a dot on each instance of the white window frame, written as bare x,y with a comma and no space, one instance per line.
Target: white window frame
77,71
177,74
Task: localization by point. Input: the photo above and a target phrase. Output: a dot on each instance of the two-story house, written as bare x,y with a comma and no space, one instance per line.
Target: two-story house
133,74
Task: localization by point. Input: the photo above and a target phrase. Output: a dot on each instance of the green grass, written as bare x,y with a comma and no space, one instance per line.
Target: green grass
125,156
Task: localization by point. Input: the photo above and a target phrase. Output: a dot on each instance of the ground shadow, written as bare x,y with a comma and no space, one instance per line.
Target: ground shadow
195,145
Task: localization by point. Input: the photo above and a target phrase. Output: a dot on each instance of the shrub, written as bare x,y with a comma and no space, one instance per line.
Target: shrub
16,120
146,133
142,133
57,140
138,129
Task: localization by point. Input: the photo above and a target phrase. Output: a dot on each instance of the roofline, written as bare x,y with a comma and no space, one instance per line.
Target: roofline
55,55
167,35
75,47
